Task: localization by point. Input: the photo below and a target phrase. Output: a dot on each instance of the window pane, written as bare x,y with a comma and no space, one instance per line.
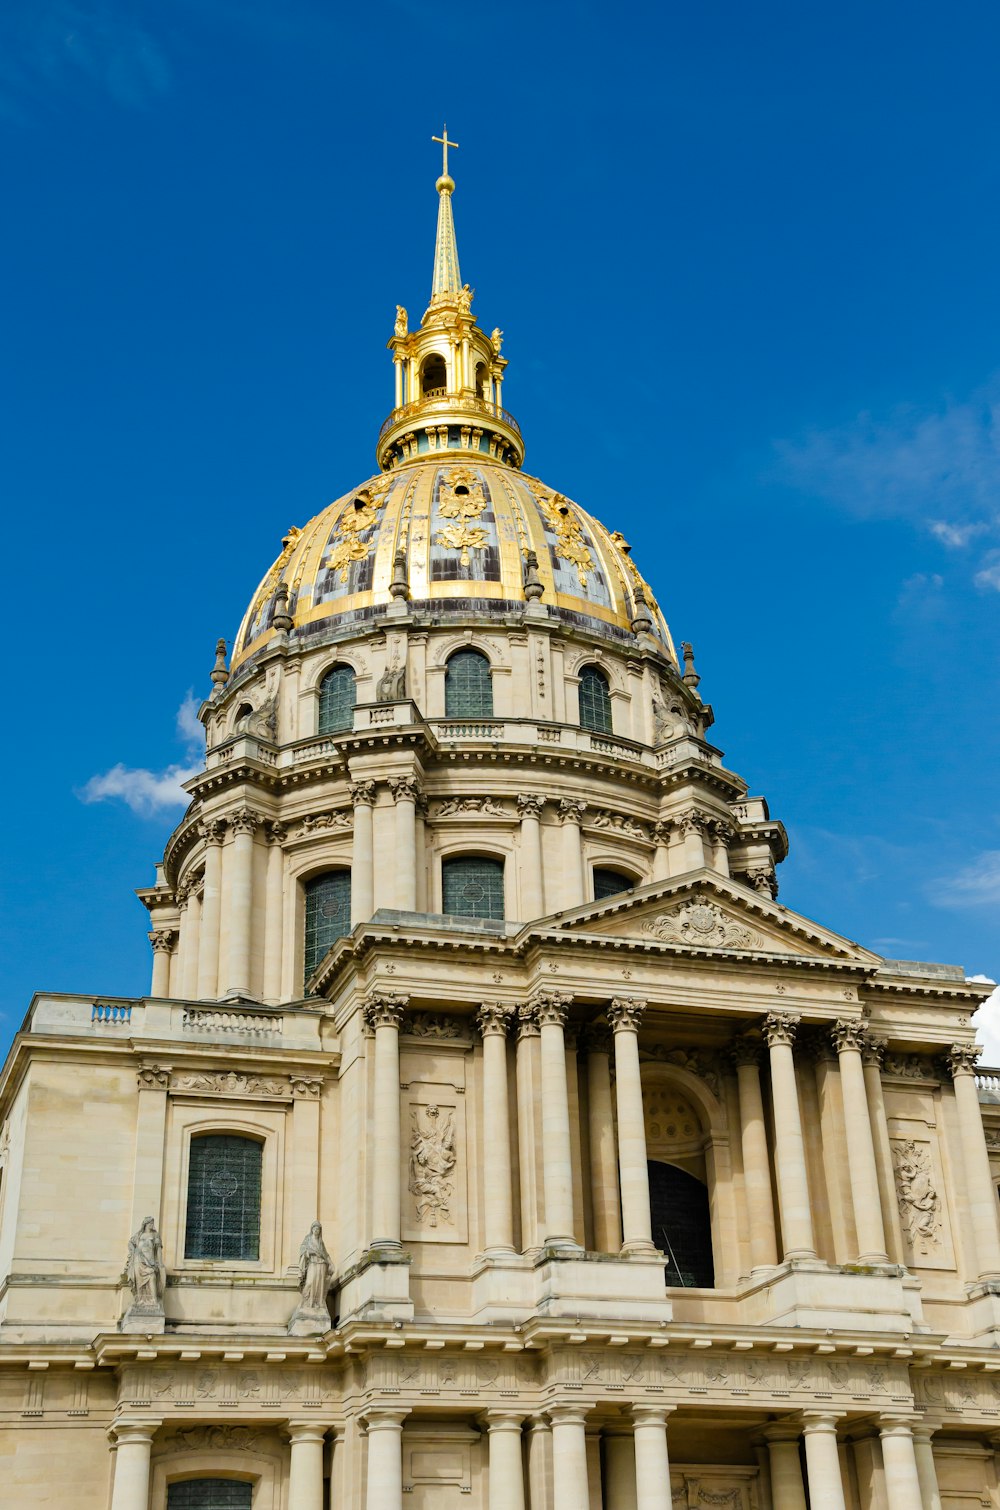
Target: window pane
608,883
328,914
209,1494
595,701
223,1208
473,887
468,686
336,700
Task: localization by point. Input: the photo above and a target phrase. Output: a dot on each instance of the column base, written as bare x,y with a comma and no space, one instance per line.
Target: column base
639,1247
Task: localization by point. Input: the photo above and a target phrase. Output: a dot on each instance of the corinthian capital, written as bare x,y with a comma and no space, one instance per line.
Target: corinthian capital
362,793
384,1009
493,1019
745,1051
245,821
848,1033
404,788
692,823
571,810
763,879
212,830
552,1008
529,805
625,1013
162,940
780,1027
962,1059
527,1020
873,1050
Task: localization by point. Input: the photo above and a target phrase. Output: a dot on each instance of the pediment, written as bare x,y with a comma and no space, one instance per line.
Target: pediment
703,910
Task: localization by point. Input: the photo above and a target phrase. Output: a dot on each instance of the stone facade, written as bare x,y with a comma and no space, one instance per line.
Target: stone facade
662,1196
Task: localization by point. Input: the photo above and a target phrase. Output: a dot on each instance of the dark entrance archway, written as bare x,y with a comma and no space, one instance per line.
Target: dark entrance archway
682,1225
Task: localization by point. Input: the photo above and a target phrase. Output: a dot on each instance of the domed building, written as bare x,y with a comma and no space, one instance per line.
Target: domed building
490,1136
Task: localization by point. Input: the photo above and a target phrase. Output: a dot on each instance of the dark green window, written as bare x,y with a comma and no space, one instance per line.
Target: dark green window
328,914
468,686
223,1204
210,1494
682,1226
472,887
595,701
608,883
336,701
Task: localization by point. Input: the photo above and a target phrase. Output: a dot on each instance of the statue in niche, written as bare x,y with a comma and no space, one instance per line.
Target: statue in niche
146,1277
391,687
311,1317
432,1159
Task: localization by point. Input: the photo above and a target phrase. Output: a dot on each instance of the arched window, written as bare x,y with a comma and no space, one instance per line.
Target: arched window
472,887
682,1225
328,914
223,1199
433,376
595,701
608,883
210,1494
480,380
336,700
468,686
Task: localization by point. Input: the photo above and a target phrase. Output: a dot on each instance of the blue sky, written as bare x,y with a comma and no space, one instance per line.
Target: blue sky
745,259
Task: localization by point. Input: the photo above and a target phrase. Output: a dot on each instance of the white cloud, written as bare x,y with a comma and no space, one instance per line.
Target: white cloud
150,793
988,575
955,536
145,792
987,1025
976,885
52,48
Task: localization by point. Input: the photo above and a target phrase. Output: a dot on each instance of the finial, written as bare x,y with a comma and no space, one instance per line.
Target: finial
220,675
447,278
533,584
399,587
281,618
445,144
691,677
642,621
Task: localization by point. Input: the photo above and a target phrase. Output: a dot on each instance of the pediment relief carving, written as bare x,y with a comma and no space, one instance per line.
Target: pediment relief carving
702,925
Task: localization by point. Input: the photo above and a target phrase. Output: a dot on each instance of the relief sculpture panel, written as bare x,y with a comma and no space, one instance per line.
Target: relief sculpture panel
919,1195
434,1164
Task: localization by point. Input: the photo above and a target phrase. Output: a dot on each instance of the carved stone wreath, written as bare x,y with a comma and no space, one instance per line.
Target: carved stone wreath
702,925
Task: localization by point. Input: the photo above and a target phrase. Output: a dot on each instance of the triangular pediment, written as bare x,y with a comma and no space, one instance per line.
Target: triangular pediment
705,911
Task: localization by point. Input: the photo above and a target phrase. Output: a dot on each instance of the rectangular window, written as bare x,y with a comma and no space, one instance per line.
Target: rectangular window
223,1205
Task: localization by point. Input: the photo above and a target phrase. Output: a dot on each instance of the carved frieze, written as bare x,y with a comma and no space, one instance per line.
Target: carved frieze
702,925
231,1083
480,806
437,1025
331,818
618,823
221,1438
910,1067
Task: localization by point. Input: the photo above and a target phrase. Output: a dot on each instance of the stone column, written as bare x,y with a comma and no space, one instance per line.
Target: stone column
305,1473
135,1446
619,1471
722,834
556,1143
239,891
506,1461
652,1464
980,1191
573,893
789,1152
756,1157
529,808
274,900
211,907
191,933
902,1481
787,1490
405,791
362,853
848,1039
691,826
529,1077
592,1438
625,1015
492,1021
604,1194
926,1471
661,855
826,1483
872,1055
162,940
338,1460
540,1464
384,1015
385,1459
569,1457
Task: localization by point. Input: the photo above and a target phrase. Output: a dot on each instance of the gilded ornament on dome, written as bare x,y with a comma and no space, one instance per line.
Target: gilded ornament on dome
355,521
462,498
570,543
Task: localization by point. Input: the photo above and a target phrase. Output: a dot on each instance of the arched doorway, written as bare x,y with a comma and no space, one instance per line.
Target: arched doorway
682,1225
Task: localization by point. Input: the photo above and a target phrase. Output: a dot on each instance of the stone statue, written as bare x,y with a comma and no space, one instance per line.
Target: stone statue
496,339
146,1277
401,326
311,1317
391,687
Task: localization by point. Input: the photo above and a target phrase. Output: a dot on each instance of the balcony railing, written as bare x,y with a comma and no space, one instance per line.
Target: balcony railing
439,401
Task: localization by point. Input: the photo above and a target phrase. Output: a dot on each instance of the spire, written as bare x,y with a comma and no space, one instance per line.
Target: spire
447,278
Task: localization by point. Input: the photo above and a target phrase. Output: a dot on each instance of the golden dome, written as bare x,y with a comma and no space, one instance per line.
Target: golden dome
459,532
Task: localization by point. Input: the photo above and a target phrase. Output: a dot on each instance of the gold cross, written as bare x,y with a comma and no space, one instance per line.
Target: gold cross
445,143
